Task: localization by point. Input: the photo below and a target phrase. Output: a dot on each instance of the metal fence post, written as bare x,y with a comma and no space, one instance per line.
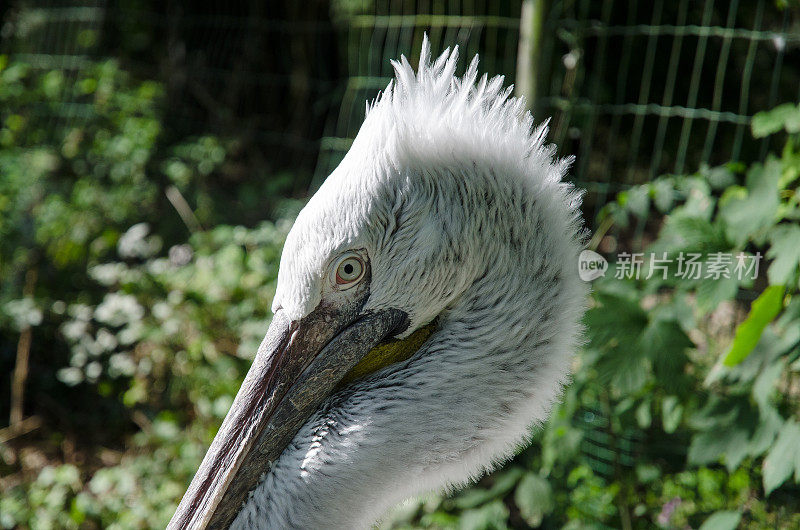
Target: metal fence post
530,43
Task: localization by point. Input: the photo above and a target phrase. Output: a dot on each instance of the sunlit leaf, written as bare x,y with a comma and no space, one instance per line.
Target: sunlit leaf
534,498
643,416
663,194
638,201
671,413
771,121
492,515
792,121
722,520
785,251
764,309
745,218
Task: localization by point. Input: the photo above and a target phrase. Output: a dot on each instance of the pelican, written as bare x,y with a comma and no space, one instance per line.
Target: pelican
426,312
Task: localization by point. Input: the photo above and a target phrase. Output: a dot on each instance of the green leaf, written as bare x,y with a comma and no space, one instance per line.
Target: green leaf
664,343
643,416
792,121
722,520
737,450
709,446
663,191
534,498
764,309
440,519
771,121
616,318
785,251
491,516
764,383
638,201
783,458
504,482
630,376
671,413
769,347
614,328
716,413
711,293
721,177
746,217
769,425
646,473
699,201
685,233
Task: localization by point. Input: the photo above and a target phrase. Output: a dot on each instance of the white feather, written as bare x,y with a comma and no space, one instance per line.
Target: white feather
462,210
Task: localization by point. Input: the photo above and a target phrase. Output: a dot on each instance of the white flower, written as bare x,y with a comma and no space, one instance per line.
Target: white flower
135,244
118,309
121,364
106,340
93,370
108,273
74,329
131,333
80,312
180,255
70,376
24,312
132,243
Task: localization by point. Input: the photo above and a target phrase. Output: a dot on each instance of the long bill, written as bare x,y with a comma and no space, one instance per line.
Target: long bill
297,366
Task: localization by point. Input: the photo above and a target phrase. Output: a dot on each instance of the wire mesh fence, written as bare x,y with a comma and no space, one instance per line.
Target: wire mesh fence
370,38
262,77
634,89
641,89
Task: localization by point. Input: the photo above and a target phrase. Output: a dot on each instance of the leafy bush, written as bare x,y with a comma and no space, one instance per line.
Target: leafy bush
171,339
65,189
128,328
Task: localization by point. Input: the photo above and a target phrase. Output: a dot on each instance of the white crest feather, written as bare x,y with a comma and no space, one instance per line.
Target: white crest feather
432,109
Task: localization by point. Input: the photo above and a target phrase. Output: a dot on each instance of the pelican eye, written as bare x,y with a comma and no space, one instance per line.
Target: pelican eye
349,269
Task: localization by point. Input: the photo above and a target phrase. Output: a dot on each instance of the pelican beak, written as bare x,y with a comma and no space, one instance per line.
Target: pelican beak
298,364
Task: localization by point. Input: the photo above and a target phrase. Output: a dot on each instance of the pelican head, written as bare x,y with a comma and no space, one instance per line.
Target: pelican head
427,308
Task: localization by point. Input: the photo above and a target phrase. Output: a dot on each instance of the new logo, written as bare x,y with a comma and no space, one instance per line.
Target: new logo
591,265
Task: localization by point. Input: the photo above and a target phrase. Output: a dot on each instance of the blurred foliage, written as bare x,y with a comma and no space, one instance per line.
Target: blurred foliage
672,420
67,191
137,331
171,340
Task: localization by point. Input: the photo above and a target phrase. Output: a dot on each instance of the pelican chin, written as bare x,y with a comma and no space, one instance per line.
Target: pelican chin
427,309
